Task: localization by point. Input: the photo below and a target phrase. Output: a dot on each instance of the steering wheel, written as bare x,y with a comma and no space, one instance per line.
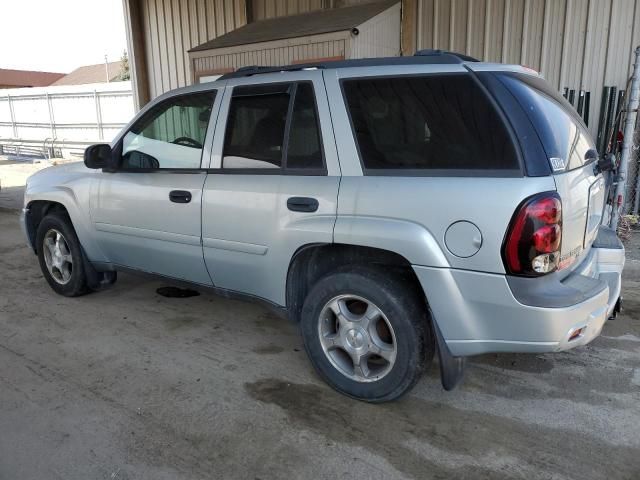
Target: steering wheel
187,142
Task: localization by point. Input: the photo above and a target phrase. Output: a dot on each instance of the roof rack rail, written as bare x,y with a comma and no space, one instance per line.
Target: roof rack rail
256,69
430,52
421,57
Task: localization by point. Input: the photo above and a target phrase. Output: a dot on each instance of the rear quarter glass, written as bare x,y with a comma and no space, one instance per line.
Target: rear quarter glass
563,134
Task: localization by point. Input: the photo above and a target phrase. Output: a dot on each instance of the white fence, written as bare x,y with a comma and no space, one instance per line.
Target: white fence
65,118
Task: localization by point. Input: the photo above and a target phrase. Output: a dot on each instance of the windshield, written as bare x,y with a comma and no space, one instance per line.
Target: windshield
563,134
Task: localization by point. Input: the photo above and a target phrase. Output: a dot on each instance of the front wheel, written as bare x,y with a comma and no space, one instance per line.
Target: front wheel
367,333
60,256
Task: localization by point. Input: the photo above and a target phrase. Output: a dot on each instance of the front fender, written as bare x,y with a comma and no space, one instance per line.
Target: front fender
73,194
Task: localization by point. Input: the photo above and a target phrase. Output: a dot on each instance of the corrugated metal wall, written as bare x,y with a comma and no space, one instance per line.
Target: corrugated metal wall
263,9
172,27
576,44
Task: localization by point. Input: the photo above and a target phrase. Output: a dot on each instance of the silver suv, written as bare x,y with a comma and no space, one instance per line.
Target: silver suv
393,208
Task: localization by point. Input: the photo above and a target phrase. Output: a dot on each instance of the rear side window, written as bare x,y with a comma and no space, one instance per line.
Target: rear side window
255,127
430,123
561,130
273,127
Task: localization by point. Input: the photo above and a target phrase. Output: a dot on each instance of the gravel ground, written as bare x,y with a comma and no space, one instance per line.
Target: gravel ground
127,384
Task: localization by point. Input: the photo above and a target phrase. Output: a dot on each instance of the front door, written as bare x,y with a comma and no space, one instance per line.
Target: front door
273,183
147,214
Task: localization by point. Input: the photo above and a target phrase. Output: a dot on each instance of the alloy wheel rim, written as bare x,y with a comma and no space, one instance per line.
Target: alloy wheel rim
57,256
357,338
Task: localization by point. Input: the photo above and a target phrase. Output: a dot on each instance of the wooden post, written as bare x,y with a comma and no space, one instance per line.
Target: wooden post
136,51
408,27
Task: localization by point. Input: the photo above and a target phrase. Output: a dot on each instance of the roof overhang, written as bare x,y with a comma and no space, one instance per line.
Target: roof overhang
321,22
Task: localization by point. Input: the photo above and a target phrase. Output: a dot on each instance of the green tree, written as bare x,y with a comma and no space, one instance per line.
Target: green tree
124,67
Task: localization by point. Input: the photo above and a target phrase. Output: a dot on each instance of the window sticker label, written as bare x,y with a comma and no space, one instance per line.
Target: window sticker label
557,164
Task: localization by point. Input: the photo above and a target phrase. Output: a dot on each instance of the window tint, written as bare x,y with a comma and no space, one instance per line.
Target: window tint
256,135
561,130
427,122
170,135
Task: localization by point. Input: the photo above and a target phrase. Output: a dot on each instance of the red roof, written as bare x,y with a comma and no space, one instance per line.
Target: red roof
27,78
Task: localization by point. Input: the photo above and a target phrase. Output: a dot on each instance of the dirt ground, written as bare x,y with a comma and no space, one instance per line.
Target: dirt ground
126,384
14,171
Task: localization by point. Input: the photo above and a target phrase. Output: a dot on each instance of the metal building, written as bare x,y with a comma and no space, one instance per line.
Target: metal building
579,45
360,31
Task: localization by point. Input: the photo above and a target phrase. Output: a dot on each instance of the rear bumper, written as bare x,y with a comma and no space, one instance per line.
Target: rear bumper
482,312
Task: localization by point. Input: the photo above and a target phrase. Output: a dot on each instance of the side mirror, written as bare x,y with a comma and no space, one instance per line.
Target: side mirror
97,156
591,154
606,163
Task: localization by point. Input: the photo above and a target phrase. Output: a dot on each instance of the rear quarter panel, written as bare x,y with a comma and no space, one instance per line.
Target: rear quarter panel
410,215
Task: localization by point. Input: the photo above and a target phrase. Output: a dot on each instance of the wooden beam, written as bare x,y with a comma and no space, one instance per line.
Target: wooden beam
409,26
136,50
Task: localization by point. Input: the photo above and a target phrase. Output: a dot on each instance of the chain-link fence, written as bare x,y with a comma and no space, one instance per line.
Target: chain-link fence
631,211
627,181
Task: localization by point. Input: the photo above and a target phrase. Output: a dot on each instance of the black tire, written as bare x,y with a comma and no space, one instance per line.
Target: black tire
77,283
401,302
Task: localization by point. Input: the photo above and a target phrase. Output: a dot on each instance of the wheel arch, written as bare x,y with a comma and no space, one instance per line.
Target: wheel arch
313,261
36,211
61,200
410,240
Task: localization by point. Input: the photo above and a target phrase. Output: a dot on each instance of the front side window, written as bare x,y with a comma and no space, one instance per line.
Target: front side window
430,122
273,126
170,135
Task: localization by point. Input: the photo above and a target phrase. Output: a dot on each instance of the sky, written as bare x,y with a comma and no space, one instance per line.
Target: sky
60,35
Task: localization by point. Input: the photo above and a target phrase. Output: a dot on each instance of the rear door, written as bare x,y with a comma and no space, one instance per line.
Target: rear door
273,181
566,142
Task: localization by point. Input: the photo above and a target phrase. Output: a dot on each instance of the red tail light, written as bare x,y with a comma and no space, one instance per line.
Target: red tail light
532,244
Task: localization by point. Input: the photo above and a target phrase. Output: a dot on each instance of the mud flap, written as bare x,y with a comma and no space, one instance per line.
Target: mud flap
617,309
96,280
451,368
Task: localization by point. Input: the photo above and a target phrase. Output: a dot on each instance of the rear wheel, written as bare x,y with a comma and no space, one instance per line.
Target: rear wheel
60,256
367,333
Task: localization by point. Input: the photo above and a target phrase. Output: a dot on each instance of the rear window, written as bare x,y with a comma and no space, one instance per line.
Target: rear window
429,123
561,130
